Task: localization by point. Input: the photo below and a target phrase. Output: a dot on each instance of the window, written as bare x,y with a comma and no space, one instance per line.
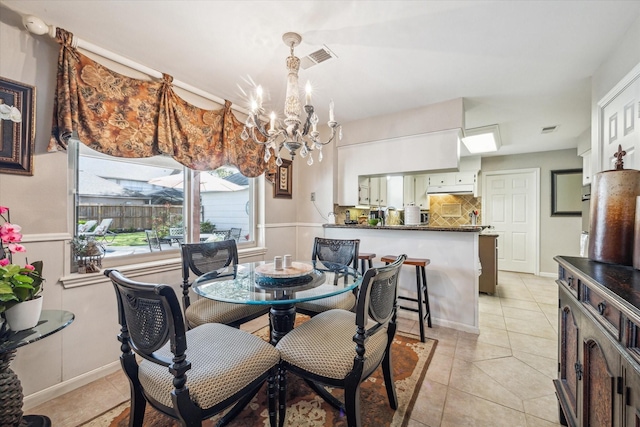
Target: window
121,204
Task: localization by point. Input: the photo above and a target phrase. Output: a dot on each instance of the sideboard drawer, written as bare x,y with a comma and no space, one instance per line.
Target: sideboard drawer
568,280
603,311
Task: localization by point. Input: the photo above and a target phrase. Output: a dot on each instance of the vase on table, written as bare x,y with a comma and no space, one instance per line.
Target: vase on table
24,315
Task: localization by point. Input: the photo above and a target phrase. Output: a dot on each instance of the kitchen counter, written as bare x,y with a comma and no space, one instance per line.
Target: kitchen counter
462,228
452,275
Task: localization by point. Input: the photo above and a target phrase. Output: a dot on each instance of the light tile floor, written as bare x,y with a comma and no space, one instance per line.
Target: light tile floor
501,377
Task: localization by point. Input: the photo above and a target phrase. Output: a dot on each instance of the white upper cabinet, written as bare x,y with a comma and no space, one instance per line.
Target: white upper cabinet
586,167
415,191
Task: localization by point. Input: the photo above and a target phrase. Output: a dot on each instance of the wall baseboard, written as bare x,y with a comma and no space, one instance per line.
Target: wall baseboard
59,389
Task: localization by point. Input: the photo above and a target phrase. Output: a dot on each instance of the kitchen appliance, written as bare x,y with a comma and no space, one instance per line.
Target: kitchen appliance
412,215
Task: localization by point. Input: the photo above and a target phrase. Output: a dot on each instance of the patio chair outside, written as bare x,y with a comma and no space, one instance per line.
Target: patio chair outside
102,231
219,236
235,233
87,226
153,240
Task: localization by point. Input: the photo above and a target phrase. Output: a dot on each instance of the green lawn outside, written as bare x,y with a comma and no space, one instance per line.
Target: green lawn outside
130,239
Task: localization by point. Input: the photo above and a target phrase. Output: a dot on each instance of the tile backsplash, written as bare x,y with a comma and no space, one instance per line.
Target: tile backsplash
440,210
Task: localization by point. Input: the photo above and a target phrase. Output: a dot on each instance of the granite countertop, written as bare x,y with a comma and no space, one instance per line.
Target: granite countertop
464,229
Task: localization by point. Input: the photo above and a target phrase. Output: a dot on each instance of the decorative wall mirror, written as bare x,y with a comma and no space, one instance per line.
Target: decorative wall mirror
566,192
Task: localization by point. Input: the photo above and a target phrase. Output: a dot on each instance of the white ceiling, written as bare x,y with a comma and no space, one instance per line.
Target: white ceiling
521,64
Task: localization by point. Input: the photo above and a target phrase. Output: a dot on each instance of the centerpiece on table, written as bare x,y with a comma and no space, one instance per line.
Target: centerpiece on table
20,285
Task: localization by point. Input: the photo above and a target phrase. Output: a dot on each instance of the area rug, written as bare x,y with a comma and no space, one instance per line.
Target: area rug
305,408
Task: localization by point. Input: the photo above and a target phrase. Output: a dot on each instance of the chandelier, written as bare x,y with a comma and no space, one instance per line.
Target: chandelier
290,133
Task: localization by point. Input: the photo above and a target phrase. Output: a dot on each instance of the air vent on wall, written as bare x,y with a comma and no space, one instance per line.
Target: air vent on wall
549,129
317,57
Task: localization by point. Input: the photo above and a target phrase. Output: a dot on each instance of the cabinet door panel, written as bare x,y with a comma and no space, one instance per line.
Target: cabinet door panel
632,396
570,371
601,367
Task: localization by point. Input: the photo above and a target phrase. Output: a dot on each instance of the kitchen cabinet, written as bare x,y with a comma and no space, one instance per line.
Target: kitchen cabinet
364,193
586,167
378,191
442,179
415,191
453,182
488,252
372,191
598,380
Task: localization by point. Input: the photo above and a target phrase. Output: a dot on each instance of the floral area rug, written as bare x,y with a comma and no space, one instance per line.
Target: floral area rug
305,408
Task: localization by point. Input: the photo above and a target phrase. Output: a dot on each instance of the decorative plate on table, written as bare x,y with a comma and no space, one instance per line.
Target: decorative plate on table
297,269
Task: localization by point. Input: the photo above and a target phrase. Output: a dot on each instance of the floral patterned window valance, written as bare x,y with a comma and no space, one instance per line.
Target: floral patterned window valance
126,117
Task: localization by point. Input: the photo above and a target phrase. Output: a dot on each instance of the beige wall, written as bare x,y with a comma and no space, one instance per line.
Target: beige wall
558,235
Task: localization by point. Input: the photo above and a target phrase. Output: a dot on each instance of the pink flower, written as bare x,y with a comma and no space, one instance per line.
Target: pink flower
29,267
13,248
3,210
11,237
4,262
7,227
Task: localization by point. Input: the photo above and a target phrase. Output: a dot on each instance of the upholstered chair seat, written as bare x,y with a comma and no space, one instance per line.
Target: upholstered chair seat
209,311
331,338
217,371
344,301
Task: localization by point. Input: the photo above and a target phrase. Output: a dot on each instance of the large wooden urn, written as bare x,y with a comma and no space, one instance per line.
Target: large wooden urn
613,213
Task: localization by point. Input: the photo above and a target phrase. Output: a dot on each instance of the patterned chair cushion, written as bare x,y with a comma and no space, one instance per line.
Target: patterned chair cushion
324,345
223,361
209,311
343,301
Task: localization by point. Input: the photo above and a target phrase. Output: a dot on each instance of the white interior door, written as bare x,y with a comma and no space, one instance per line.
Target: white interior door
510,204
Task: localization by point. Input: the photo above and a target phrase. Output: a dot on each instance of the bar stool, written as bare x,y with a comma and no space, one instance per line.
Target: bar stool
363,257
421,287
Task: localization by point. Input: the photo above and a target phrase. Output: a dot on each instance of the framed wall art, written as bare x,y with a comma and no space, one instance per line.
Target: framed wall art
284,180
17,127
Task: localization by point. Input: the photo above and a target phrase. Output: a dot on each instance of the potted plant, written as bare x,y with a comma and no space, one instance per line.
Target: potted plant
20,285
88,253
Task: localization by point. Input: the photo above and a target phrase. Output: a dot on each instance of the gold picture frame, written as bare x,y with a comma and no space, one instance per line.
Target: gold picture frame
282,186
17,139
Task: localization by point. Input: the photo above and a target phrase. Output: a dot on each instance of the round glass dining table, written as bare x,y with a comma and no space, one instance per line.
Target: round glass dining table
258,283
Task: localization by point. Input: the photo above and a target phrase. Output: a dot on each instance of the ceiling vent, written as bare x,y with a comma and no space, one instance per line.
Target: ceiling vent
549,129
317,57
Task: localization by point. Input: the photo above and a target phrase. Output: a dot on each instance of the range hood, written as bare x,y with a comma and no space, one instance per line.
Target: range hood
451,189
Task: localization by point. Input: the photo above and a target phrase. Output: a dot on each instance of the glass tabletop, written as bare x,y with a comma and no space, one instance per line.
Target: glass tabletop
243,284
51,321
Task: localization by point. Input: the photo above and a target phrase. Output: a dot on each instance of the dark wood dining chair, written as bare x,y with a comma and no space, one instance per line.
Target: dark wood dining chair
339,348
187,375
212,257
340,251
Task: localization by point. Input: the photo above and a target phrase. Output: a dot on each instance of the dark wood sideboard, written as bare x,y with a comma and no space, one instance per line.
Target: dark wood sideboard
598,343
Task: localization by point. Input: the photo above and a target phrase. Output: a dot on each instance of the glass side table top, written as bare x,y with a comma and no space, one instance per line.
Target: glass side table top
51,321
243,284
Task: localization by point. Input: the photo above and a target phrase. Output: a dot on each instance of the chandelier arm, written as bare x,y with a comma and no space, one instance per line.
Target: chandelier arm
258,124
307,123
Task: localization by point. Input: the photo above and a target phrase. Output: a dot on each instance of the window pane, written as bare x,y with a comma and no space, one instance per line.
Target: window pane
116,193
225,205
136,206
